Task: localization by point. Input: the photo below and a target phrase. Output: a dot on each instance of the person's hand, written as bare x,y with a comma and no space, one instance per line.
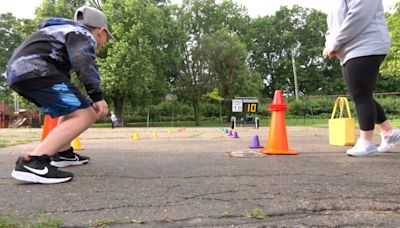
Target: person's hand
328,53
101,108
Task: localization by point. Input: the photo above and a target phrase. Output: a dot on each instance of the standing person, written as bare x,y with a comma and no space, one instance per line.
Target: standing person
233,122
257,122
113,119
39,71
358,36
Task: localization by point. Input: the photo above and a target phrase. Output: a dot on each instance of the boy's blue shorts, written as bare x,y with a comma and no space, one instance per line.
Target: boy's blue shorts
58,100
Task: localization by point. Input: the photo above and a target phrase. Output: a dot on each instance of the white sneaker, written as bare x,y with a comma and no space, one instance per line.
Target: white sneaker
388,142
362,148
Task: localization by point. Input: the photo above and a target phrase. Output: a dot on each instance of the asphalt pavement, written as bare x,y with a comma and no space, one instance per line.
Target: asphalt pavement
200,177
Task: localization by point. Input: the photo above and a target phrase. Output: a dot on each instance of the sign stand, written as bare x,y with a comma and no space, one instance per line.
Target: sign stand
246,105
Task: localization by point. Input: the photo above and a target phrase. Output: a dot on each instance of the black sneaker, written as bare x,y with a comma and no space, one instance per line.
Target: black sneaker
37,169
68,158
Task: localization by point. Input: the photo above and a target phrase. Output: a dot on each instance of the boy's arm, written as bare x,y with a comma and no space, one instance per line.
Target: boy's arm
82,55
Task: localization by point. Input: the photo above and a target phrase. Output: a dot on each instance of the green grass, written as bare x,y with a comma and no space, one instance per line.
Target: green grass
7,143
137,221
4,143
36,220
23,141
111,222
105,222
395,123
305,122
263,123
257,213
45,220
225,215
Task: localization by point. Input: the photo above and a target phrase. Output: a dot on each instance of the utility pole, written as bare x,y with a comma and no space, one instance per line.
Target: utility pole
16,103
296,86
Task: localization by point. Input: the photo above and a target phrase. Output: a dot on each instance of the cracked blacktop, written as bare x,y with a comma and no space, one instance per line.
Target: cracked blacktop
200,177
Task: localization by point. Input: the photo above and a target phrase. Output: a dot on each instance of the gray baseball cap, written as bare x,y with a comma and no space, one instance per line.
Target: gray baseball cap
92,17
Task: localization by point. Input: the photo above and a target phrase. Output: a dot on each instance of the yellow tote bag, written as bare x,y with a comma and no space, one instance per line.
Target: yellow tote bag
341,130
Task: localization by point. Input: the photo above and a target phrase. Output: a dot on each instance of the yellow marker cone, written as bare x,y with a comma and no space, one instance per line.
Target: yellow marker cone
154,134
76,144
169,132
136,136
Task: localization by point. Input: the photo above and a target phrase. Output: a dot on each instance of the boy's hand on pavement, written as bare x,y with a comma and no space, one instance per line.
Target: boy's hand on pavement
101,108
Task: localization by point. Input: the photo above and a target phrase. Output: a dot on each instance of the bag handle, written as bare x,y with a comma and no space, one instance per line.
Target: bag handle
341,101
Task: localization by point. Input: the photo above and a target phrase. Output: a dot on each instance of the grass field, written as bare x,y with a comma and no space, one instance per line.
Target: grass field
289,122
263,123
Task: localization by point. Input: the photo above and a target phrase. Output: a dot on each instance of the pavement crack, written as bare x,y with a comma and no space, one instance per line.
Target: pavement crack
208,194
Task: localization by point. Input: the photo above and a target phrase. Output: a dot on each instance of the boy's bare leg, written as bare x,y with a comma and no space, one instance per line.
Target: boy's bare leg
69,127
68,145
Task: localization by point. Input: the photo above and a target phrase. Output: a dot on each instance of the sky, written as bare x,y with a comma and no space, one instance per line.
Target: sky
26,8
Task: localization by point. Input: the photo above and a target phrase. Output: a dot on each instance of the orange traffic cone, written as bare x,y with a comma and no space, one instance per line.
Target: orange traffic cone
49,124
277,138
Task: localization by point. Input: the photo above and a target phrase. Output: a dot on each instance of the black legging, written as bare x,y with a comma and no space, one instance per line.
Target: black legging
360,75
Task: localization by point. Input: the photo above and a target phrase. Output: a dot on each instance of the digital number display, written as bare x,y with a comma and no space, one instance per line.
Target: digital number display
250,107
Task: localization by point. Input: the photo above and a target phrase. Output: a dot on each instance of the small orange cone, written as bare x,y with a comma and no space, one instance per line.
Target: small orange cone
49,124
277,138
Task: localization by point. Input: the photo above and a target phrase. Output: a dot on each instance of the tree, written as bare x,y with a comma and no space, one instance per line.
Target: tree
59,8
12,32
226,58
272,40
9,40
133,71
199,18
316,75
391,66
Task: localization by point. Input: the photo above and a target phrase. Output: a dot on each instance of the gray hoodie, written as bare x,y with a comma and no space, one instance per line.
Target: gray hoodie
357,28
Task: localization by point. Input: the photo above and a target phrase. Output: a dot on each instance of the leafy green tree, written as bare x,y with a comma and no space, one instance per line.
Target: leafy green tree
133,71
12,32
226,57
199,18
9,40
316,75
59,8
214,95
391,66
272,40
